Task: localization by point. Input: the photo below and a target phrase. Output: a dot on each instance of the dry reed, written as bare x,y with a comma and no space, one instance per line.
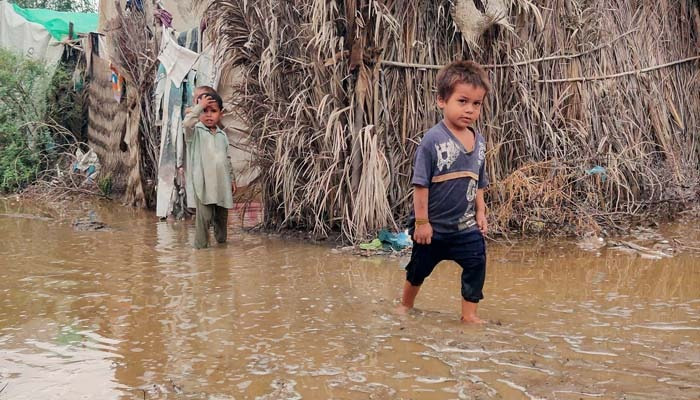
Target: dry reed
134,39
60,183
338,94
106,121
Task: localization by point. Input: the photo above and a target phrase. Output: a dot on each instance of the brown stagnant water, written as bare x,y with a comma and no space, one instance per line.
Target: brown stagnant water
136,313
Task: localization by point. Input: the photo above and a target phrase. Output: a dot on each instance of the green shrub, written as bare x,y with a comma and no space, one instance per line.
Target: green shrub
26,145
105,185
59,5
65,106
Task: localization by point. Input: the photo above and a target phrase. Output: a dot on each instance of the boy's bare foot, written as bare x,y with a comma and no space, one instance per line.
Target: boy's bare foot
472,320
469,313
402,309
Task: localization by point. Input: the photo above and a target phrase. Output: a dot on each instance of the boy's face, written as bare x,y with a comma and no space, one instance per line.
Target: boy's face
463,106
211,115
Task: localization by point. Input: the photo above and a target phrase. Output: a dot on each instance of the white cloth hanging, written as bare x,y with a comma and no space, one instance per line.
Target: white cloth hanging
177,60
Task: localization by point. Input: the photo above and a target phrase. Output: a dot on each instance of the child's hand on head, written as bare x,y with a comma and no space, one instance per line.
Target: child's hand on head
202,99
206,101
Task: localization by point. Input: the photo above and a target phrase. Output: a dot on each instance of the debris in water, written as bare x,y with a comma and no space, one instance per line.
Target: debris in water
644,252
591,243
27,216
90,223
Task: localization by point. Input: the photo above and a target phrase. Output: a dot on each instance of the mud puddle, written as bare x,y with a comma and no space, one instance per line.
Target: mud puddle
133,312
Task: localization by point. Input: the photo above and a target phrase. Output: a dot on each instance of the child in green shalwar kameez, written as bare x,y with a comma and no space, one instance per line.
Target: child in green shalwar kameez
209,173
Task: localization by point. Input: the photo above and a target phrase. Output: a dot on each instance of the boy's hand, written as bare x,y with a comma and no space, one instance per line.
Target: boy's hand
206,101
233,187
423,233
482,223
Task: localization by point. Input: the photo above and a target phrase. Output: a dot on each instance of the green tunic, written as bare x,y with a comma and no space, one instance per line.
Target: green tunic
208,171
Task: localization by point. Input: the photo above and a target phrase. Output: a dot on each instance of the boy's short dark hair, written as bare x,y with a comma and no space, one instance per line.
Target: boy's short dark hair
214,96
458,72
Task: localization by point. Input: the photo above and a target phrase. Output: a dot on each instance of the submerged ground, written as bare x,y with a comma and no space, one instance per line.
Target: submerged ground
134,312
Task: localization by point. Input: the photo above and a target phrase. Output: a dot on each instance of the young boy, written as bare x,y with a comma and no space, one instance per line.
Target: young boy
448,198
209,172
198,92
181,181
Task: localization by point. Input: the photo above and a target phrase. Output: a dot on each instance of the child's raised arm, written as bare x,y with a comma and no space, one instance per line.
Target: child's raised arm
191,119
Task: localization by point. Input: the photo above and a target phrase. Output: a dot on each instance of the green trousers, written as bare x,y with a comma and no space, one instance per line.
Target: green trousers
210,214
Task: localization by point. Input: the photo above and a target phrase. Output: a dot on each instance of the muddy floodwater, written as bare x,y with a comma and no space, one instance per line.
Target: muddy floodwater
131,311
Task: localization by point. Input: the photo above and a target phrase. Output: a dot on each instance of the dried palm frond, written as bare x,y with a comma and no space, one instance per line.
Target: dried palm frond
135,48
338,94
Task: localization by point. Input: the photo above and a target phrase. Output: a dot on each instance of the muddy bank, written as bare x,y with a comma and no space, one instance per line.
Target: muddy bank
134,312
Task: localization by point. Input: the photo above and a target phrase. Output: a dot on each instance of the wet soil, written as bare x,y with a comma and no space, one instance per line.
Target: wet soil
135,312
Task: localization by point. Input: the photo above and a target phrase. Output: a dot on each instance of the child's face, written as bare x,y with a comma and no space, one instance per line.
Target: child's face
211,115
463,107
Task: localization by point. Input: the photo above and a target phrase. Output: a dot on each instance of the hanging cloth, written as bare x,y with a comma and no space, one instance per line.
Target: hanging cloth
177,60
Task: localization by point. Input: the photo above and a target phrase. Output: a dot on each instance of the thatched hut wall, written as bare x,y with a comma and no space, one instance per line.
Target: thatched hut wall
130,42
107,125
338,94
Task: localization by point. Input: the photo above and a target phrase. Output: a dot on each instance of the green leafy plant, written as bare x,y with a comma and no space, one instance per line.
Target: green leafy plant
60,5
65,106
105,185
25,144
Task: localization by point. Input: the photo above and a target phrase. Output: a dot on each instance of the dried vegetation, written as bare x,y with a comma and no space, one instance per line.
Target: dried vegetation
338,93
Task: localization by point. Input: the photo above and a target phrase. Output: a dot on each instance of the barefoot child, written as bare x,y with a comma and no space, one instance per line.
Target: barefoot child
209,172
448,198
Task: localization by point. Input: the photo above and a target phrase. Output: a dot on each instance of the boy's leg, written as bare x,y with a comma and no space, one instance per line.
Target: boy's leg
220,224
424,258
409,295
202,220
469,313
473,263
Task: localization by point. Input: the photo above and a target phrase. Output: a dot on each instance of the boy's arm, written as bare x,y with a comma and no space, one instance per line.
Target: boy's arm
191,119
420,202
481,220
230,170
423,171
423,233
480,203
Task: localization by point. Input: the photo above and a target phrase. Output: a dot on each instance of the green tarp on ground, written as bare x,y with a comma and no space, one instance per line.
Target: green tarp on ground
57,22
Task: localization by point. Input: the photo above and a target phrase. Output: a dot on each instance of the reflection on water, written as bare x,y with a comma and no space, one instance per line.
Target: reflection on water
135,313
